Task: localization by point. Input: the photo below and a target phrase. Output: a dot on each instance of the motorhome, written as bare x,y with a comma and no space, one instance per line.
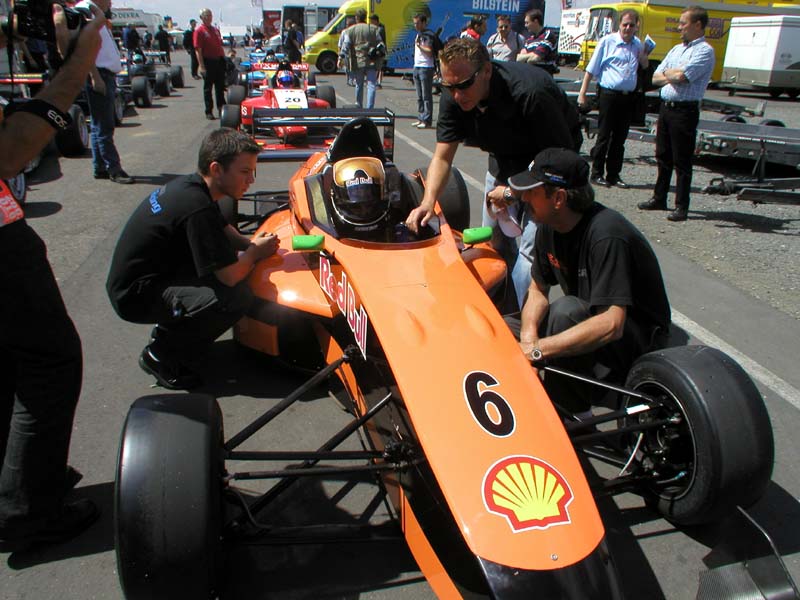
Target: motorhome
446,17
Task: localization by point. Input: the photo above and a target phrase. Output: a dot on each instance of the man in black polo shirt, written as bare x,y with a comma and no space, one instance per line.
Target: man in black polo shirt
614,307
512,111
176,262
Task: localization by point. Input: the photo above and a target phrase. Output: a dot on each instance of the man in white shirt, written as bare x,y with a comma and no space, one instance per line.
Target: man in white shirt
101,90
424,66
506,43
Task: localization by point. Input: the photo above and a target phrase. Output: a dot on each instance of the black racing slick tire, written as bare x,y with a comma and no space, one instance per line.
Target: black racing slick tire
230,116
236,95
141,91
328,94
74,140
162,84
168,498
327,63
716,449
176,76
454,200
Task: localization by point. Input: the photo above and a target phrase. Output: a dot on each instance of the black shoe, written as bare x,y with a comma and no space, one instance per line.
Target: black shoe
619,183
172,377
210,117
101,174
679,214
600,180
652,204
72,519
120,176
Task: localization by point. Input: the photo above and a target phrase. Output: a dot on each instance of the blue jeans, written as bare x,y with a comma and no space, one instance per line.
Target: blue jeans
101,108
423,82
371,74
517,252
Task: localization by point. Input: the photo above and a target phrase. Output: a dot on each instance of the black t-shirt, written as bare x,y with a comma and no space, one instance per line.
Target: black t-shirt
526,112
604,260
176,234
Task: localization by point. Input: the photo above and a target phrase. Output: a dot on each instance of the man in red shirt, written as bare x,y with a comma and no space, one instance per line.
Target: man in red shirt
211,61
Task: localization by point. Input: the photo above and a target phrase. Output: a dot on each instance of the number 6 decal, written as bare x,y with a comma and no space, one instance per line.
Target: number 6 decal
489,409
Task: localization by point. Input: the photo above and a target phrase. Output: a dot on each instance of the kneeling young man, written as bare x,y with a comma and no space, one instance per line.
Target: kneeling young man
180,265
614,307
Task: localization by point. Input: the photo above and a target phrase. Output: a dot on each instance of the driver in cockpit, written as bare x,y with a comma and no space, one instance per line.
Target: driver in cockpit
367,201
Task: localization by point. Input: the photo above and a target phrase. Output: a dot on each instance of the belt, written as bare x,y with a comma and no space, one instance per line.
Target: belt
611,92
679,104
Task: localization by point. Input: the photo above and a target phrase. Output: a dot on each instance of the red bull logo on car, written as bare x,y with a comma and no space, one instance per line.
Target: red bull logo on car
342,293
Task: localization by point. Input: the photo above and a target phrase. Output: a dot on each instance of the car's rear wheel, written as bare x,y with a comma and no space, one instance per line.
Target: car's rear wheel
236,94
176,76
142,92
168,498
74,140
713,448
328,94
162,84
327,63
230,116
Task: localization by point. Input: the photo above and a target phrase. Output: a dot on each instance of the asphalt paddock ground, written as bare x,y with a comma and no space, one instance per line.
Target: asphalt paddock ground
80,219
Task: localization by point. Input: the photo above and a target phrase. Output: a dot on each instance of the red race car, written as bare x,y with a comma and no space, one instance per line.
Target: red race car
283,86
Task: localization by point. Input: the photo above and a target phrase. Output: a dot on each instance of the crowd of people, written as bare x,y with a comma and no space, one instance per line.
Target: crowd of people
179,266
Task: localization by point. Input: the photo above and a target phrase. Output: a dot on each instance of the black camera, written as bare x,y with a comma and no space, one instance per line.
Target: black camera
35,18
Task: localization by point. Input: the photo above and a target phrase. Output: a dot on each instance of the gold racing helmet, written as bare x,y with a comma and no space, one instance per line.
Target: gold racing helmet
358,191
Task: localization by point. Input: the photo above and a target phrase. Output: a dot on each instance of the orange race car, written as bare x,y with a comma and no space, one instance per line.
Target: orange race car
481,468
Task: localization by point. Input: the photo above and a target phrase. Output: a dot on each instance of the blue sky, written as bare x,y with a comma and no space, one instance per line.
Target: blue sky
232,12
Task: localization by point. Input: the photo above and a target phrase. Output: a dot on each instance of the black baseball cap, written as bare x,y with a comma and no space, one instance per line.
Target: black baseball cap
557,166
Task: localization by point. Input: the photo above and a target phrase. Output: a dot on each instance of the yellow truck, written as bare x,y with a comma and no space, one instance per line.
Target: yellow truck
659,20
447,17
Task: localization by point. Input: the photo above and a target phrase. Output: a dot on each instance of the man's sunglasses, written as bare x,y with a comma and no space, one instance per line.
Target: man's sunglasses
461,85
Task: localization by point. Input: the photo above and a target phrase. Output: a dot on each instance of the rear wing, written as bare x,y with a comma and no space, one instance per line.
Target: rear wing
323,125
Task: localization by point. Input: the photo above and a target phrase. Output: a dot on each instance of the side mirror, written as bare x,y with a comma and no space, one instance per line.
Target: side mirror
308,243
476,235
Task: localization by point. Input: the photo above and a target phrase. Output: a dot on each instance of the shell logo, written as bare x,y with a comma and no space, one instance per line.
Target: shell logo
528,492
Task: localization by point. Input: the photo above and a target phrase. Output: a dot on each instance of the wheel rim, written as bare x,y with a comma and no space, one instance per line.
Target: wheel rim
667,454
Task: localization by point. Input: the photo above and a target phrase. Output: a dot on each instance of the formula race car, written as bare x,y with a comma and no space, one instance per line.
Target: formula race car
484,472
286,93
145,75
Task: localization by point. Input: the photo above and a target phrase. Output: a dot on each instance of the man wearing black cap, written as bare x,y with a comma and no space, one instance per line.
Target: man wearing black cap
614,307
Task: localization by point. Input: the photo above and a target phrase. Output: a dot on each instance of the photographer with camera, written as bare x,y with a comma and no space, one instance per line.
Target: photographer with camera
40,351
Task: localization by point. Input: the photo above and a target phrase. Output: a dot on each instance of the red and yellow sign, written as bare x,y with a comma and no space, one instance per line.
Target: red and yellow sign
528,492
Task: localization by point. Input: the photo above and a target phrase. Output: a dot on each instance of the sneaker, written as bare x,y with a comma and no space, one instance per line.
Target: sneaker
101,174
424,126
120,176
171,376
416,123
71,520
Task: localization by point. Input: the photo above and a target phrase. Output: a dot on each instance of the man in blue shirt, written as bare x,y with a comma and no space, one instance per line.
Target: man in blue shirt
614,63
682,76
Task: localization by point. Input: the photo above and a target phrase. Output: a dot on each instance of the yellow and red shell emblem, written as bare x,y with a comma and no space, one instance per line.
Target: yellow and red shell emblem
528,492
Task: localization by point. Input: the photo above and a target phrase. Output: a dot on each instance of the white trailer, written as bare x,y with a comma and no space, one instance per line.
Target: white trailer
763,53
